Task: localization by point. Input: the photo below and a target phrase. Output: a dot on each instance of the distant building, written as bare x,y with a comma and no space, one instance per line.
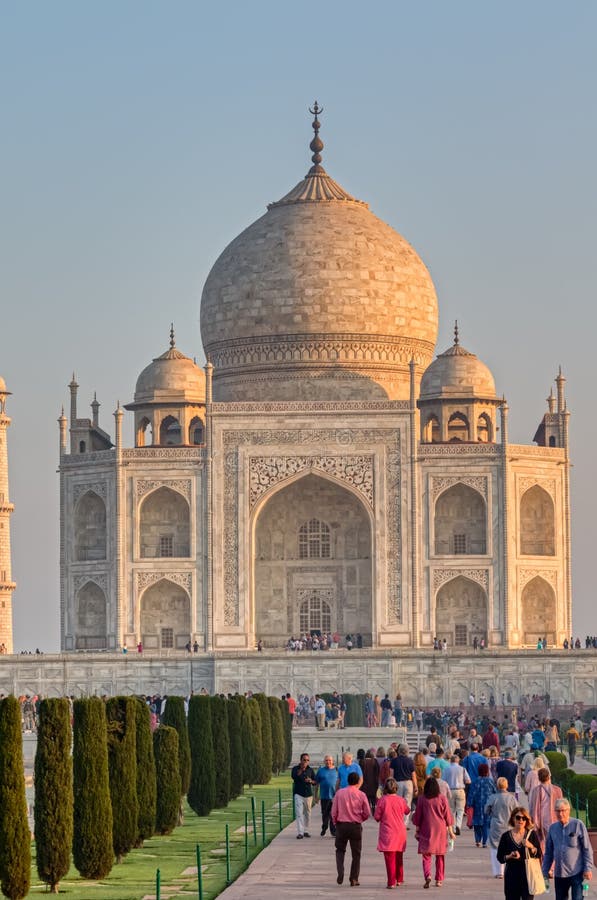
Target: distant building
324,472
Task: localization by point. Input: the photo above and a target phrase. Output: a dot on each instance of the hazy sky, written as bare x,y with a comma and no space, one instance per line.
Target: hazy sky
140,137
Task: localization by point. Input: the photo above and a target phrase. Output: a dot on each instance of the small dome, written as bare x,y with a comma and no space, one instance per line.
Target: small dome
171,378
457,373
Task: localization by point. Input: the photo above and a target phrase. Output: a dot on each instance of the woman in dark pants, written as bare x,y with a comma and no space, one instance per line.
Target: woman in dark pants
512,849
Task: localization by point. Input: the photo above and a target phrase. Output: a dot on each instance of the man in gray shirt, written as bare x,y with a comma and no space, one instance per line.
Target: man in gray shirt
569,850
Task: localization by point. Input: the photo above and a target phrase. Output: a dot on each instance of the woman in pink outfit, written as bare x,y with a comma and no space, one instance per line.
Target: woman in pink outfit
390,812
433,822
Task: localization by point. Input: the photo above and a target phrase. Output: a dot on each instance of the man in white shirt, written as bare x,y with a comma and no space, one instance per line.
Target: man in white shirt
457,778
320,712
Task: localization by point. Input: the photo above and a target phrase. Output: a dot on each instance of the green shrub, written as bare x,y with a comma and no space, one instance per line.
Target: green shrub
287,725
592,801
236,748
146,781
557,762
563,777
582,785
167,769
174,715
221,742
15,839
254,741
93,853
53,792
278,744
247,738
355,710
265,757
121,716
202,789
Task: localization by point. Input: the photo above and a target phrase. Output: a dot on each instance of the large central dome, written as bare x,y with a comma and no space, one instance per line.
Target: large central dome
318,299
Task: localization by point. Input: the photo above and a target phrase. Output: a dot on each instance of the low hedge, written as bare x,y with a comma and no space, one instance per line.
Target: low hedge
582,785
564,777
592,799
557,762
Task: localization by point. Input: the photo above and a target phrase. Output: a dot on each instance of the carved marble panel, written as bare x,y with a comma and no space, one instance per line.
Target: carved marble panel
548,484
182,485
265,471
98,487
100,579
526,575
183,579
441,576
439,484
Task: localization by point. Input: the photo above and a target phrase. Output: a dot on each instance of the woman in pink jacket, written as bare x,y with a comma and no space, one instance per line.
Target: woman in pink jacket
390,811
433,823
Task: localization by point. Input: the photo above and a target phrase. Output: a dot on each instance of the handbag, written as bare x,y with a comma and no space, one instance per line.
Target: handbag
469,813
535,879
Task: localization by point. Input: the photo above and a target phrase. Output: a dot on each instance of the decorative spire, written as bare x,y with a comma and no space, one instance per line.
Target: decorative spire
172,341
316,144
456,338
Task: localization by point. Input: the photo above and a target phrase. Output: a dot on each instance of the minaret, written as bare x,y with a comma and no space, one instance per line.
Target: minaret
7,586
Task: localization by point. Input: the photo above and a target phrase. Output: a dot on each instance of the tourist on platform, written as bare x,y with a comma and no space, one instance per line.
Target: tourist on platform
369,711
391,812
303,779
326,778
398,710
480,791
350,809
377,705
568,849
457,778
386,711
320,712
433,822
542,804
403,772
514,845
499,808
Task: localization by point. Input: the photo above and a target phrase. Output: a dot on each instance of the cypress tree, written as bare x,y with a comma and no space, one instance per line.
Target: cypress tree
121,713
165,748
146,782
287,725
93,853
278,748
236,749
246,731
174,715
265,768
221,741
256,741
202,790
15,839
53,792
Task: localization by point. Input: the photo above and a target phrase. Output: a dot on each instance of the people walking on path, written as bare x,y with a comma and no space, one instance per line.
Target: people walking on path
572,737
403,772
391,811
542,805
433,822
303,779
478,795
514,846
346,768
568,849
499,808
457,779
326,778
350,808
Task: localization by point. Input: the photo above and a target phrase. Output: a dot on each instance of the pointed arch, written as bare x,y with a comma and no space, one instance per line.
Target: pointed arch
170,432
537,523
91,617
165,616
431,431
538,611
196,431
459,427
460,522
90,528
164,525
485,429
142,427
461,611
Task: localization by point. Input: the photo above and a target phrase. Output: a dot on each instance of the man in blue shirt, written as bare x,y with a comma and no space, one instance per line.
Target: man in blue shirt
472,761
345,769
569,850
326,778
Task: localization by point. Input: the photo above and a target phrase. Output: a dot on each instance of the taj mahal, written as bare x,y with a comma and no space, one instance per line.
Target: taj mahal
325,470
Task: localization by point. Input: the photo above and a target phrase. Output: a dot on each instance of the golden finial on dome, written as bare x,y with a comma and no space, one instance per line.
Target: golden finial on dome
172,341
316,144
456,338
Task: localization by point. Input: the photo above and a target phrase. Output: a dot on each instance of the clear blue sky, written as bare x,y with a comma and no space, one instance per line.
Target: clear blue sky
140,137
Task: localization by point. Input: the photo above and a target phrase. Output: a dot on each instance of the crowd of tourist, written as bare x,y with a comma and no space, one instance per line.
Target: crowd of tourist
325,641
495,781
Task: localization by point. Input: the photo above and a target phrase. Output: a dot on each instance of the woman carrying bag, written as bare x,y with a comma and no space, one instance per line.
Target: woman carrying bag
519,850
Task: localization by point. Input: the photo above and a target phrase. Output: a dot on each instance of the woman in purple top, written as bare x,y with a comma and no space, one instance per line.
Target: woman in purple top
433,822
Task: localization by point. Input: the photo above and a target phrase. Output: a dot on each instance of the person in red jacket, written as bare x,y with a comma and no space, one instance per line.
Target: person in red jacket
491,738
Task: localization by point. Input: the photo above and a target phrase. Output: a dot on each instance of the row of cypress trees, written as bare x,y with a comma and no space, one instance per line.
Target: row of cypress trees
124,784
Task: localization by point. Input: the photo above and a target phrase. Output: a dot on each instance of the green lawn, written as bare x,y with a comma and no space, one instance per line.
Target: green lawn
135,878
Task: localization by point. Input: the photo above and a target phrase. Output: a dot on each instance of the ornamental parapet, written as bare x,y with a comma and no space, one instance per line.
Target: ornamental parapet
458,449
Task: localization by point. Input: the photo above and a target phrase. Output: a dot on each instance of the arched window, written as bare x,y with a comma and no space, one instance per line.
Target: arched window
458,427
170,432
90,528
165,616
82,447
460,521
461,612
537,526
165,525
141,431
315,615
432,433
196,431
314,540
484,428
552,441
538,611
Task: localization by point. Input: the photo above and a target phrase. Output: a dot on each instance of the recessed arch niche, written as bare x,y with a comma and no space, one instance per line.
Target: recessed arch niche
165,528
538,611
165,616
90,528
91,617
287,580
537,523
461,612
460,521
